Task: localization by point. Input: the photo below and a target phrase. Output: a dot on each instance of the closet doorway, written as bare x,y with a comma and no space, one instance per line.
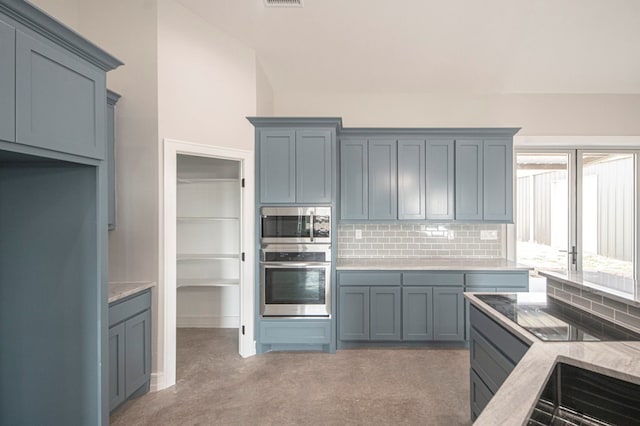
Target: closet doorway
208,240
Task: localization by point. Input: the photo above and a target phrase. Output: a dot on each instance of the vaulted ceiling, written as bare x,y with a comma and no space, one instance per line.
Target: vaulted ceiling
439,46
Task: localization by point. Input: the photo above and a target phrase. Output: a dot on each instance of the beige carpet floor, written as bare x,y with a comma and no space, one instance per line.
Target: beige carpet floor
216,386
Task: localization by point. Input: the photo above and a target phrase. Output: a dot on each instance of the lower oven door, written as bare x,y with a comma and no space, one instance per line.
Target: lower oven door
291,289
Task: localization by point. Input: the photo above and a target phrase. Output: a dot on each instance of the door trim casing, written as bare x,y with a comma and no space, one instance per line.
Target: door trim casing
165,374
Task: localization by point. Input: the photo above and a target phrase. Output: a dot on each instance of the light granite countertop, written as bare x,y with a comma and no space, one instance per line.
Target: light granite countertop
587,280
514,401
120,290
428,264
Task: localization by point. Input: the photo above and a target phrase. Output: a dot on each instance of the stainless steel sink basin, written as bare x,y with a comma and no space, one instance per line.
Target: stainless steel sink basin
575,396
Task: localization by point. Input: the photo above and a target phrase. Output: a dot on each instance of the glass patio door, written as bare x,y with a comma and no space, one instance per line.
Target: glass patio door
576,210
606,218
545,224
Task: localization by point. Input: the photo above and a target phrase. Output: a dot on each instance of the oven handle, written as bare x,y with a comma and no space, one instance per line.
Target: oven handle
296,264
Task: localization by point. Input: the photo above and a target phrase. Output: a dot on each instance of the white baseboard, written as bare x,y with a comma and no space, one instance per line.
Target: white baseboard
209,321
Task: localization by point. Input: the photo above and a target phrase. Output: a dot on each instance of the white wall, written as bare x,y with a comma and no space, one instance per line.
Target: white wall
555,115
206,81
264,93
65,11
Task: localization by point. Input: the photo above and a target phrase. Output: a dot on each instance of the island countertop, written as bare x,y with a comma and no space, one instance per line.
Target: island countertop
428,264
120,290
516,398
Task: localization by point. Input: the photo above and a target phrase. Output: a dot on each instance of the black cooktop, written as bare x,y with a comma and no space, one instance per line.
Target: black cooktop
554,321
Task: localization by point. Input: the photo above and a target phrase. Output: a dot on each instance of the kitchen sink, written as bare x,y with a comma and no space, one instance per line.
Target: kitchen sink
576,396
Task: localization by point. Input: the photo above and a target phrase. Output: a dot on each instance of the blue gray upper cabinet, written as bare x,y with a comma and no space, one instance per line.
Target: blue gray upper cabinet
296,159
468,182
278,166
354,179
484,179
440,182
59,100
411,179
498,180
7,82
383,163
313,166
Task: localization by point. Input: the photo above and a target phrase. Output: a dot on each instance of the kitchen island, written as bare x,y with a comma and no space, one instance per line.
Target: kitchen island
518,394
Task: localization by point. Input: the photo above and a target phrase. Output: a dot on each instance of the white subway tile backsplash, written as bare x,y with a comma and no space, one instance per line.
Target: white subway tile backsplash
419,240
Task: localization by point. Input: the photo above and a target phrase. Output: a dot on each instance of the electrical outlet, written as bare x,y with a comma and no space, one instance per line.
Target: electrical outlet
451,235
358,234
488,235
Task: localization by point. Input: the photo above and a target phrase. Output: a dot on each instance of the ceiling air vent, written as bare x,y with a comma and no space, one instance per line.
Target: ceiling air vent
284,3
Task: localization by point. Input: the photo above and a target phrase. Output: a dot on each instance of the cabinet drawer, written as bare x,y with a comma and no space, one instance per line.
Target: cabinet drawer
295,332
369,278
488,362
439,279
121,310
480,394
512,347
508,279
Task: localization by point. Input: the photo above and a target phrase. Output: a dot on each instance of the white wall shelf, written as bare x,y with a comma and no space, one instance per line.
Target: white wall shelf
207,256
207,240
205,282
204,219
206,180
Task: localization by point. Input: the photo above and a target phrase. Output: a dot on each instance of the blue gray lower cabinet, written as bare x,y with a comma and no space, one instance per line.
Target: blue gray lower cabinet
295,334
448,314
129,348
494,353
394,306
417,313
370,313
413,306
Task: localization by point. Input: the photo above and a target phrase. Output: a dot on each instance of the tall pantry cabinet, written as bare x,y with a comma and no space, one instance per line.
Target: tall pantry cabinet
208,242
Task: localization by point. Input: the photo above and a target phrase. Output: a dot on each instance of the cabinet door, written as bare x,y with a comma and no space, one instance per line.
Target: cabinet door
448,314
313,166
277,166
7,82
354,179
354,313
383,195
498,180
137,352
417,313
385,313
116,366
411,179
60,100
440,190
468,179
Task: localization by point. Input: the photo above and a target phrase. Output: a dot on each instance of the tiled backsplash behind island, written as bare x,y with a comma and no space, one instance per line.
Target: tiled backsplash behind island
420,240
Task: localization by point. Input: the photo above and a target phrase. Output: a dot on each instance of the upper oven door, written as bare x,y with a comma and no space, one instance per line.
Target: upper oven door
295,225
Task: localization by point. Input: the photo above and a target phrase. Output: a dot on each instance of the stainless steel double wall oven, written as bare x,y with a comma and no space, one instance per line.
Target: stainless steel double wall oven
295,262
